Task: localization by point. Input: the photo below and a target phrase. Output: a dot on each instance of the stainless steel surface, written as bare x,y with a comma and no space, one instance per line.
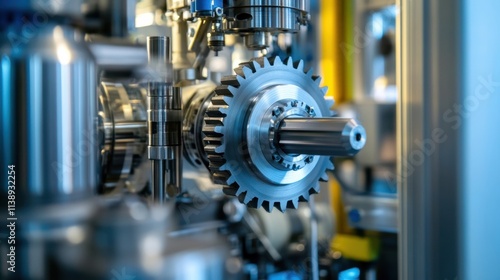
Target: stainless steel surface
123,110
158,48
249,16
257,40
193,120
111,56
158,181
379,119
321,136
480,207
236,142
430,183
181,57
49,117
215,38
164,124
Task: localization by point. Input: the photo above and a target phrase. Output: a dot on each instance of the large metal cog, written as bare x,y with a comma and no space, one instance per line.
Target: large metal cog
234,161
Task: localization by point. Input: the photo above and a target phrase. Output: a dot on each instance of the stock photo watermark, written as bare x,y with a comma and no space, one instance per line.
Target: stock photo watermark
31,24
454,117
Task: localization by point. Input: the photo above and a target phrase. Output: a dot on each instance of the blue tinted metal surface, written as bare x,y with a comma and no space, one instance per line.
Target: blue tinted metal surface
481,212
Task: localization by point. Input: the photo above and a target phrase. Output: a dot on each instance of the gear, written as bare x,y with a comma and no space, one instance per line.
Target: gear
240,144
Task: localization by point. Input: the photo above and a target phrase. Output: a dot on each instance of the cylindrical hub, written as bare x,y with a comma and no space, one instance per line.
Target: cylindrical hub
164,115
321,136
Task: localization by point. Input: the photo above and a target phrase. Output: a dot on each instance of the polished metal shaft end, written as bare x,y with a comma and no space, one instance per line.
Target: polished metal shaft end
158,49
321,136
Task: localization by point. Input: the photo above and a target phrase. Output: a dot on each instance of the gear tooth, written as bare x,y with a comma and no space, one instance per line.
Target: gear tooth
289,62
213,127
224,90
277,61
330,165
239,71
232,90
267,206
214,121
281,205
258,202
304,198
216,162
324,177
239,192
265,62
230,190
309,73
241,80
248,64
215,112
211,149
220,177
243,197
256,65
220,149
254,203
299,65
293,204
231,80
314,189
329,101
220,101
247,72
324,90
317,80
246,199
213,134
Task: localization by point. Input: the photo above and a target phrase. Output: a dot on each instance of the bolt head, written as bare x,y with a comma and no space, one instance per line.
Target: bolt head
277,111
276,157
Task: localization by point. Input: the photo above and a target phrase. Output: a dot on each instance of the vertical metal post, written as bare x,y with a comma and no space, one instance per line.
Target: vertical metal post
314,240
164,122
429,151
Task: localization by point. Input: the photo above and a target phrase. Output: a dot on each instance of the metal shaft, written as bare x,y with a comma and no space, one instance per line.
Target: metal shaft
321,136
164,124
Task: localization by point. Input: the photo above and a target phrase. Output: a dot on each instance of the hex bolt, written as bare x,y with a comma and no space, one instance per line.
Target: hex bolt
277,111
309,159
276,157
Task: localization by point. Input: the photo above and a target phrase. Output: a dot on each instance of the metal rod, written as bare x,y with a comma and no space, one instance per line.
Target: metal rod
164,123
314,241
158,49
321,136
158,181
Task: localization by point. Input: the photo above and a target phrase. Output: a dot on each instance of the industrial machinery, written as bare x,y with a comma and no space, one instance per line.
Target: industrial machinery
111,133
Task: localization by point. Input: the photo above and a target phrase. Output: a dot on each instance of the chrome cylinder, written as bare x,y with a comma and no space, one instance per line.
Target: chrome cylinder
123,108
164,124
49,116
321,136
248,16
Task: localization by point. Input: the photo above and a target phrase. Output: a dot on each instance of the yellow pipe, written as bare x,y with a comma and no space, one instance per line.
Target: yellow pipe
331,39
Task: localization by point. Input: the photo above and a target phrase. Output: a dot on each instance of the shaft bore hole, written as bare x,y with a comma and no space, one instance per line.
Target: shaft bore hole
358,137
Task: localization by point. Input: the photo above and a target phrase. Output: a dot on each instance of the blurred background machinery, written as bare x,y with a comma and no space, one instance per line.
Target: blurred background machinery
152,139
